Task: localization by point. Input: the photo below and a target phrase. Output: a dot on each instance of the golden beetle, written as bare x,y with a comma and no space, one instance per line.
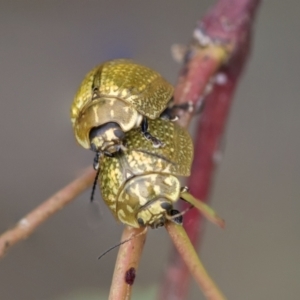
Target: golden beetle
112,99
140,185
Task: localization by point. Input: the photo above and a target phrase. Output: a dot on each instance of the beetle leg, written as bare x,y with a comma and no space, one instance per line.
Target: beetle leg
186,106
170,112
156,142
96,161
207,211
167,114
184,189
180,108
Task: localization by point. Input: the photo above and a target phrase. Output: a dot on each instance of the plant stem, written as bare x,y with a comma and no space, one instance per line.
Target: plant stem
229,23
29,223
127,263
190,257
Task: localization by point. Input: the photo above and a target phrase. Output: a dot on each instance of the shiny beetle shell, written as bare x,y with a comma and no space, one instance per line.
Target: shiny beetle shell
119,91
140,185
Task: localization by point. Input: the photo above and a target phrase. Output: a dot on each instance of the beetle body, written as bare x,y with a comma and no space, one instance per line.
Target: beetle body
119,93
140,185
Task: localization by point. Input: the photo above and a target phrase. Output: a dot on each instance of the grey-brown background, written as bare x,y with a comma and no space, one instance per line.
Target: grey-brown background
46,47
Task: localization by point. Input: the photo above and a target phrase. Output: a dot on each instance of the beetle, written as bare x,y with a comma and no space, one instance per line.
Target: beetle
141,185
112,99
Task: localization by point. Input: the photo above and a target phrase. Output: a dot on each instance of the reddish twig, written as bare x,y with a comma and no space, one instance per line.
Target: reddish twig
228,24
127,263
28,224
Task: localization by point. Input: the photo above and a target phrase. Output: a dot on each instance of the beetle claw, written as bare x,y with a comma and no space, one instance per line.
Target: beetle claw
184,189
155,142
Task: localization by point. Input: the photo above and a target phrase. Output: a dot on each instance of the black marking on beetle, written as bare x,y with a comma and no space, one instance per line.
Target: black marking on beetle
95,92
119,133
141,222
166,205
130,276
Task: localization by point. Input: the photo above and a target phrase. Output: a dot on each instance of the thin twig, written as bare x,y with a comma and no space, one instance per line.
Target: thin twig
189,256
201,68
127,263
229,23
29,223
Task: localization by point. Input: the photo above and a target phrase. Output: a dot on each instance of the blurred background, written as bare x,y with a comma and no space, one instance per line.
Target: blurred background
46,49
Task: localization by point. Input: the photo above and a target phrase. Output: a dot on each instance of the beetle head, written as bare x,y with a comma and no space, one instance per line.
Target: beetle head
155,214
107,138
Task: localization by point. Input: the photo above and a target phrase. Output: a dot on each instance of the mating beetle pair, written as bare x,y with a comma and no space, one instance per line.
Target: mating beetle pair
116,113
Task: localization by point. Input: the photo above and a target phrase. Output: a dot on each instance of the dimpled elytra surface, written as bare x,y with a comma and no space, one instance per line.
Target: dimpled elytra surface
141,158
110,178
175,157
135,84
132,83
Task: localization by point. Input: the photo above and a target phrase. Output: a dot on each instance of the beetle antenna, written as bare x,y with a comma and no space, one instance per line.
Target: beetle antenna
94,185
123,242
